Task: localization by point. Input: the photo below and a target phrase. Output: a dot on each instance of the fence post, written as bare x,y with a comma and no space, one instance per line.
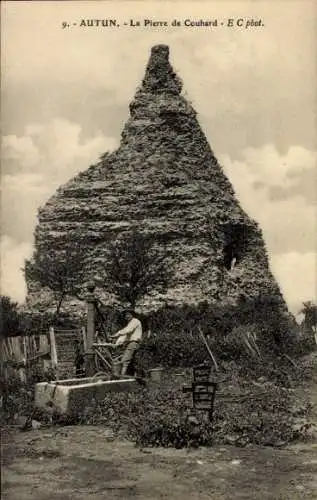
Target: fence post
25,357
83,333
90,332
53,348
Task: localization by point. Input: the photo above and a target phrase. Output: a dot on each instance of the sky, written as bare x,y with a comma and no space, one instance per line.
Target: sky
65,94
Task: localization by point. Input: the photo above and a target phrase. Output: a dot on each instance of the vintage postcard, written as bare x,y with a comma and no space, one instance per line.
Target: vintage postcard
158,249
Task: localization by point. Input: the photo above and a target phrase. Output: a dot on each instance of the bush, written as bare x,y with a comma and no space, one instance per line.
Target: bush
176,340
33,321
9,317
176,432
163,418
172,350
151,418
269,419
17,399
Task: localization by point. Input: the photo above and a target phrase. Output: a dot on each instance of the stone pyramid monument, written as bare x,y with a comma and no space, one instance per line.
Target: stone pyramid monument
165,180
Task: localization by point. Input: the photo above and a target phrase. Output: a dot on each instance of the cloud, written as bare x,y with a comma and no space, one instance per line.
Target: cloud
63,150
270,168
20,150
56,150
296,272
288,223
35,164
267,167
244,83
13,255
21,195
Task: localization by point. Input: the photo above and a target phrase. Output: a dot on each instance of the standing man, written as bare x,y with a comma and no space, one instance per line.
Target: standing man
131,335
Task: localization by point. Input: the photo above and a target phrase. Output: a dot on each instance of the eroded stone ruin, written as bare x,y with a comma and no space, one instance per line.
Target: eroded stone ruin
165,180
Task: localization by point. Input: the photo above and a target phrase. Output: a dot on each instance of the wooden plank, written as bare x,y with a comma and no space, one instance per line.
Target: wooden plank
4,350
34,345
23,347
10,346
43,341
90,332
208,349
36,342
199,398
22,375
53,348
31,346
66,332
203,405
24,351
83,333
16,349
26,348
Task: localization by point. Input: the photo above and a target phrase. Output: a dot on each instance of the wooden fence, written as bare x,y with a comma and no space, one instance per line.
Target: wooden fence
56,350
18,354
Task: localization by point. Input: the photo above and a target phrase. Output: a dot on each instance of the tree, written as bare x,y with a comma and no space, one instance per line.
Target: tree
59,270
309,310
135,267
9,317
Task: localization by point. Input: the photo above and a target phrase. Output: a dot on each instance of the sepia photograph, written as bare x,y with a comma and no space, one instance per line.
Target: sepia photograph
158,250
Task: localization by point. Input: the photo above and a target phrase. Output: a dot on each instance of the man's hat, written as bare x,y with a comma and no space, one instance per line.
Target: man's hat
129,311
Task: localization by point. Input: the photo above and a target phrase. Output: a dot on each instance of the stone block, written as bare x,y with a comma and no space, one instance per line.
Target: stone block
73,396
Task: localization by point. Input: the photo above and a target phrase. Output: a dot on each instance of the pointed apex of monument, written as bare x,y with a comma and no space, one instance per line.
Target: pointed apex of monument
161,49
159,74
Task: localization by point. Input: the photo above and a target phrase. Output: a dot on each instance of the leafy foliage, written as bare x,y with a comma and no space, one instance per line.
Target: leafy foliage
246,411
17,398
59,270
270,418
252,329
172,350
162,417
310,311
135,267
9,317
39,322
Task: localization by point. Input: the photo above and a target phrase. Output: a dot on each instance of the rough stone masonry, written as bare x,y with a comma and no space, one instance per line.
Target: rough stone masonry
165,180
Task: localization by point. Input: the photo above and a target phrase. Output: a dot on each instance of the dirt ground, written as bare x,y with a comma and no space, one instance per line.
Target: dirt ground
78,463
86,462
